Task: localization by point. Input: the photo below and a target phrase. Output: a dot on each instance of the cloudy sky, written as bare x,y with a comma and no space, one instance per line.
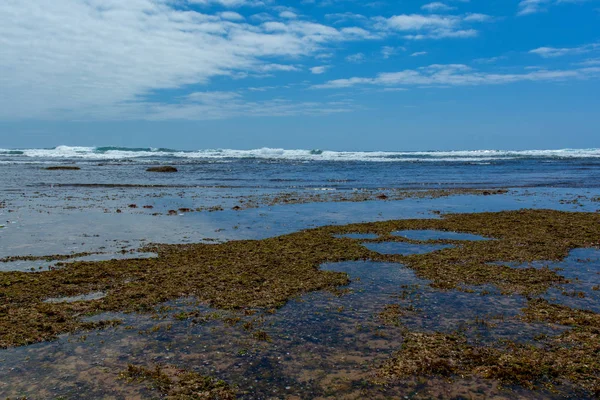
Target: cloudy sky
335,74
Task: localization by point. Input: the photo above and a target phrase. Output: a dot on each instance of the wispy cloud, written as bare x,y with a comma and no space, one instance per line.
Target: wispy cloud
527,7
433,26
67,57
221,105
458,75
436,6
550,52
388,51
356,58
319,70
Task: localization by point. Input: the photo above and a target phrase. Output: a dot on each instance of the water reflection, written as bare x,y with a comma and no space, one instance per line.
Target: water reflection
425,235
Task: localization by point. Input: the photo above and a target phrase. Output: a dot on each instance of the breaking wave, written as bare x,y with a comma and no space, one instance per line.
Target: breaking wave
120,153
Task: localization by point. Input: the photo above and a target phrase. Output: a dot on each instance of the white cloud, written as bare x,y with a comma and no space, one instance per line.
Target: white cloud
345,17
490,60
418,53
231,15
589,62
71,58
356,58
288,15
549,52
436,6
221,105
459,75
319,70
433,26
477,17
231,3
388,51
527,7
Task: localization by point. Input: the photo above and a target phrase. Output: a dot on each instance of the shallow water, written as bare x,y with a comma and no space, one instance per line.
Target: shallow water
320,344
425,235
50,263
73,299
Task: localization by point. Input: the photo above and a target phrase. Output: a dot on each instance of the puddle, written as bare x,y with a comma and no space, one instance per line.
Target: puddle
405,249
73,299
34,266
582,269
319,345
358,236
425,235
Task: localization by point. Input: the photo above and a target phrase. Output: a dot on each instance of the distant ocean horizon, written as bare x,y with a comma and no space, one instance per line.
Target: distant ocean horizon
144,154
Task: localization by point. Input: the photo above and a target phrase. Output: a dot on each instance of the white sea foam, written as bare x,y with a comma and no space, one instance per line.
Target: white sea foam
120,153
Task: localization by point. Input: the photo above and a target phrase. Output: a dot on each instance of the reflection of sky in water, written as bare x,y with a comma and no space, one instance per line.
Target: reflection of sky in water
321,343
31,266
582,269
73,299
437,235
62,231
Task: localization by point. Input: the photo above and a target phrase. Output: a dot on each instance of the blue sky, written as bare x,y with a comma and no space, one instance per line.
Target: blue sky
332,74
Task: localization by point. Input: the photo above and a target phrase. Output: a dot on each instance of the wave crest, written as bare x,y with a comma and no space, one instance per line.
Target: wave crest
120,153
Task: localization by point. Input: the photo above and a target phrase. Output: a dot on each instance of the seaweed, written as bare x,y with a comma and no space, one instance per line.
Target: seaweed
250,274
178,384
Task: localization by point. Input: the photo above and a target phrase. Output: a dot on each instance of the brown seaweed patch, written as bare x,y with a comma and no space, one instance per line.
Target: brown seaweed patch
572,357
250,274
178,384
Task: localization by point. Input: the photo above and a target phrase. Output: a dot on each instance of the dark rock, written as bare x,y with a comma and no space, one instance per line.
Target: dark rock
63,168
164,168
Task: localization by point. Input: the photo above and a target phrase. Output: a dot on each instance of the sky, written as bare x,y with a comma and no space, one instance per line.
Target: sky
327,74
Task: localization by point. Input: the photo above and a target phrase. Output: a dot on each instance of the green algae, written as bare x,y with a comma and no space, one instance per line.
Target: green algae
177,384
266,273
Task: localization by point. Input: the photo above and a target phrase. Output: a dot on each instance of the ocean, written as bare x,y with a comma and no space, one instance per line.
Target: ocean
330,343
284,169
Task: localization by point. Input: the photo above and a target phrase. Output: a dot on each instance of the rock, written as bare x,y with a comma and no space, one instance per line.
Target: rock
382,196
164,168
132,206
63,168
185,210
172,212
148,207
